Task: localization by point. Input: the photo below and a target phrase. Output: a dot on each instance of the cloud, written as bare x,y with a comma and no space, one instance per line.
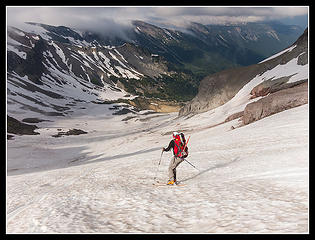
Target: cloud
116,20
110,22
220,15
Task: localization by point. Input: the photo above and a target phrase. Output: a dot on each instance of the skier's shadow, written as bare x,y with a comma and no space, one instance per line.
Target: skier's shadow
219,165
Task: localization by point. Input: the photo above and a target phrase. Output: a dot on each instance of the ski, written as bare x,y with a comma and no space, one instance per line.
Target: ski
170,185
165,184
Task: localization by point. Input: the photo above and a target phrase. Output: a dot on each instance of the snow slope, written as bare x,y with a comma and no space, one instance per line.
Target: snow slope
253,179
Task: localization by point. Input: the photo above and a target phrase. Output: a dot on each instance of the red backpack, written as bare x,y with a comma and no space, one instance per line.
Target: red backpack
180,143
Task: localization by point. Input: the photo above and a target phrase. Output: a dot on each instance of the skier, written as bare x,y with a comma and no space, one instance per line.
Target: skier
178,143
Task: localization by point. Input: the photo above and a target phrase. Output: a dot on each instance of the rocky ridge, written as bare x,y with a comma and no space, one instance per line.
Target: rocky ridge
217,89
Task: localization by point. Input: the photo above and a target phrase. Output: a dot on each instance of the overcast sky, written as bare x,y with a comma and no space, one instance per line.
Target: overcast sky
103,18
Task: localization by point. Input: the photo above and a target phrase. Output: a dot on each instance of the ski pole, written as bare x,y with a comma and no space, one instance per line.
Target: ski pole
158,165
191,164
161,157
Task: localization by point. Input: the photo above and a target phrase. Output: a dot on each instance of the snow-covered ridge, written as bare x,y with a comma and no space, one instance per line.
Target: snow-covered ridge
70,67
279,54
40,31
69,75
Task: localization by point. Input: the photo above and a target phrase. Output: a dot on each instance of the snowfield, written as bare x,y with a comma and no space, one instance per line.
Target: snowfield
253,179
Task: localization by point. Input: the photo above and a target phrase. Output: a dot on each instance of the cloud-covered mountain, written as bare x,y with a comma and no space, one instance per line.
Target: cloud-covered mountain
50,68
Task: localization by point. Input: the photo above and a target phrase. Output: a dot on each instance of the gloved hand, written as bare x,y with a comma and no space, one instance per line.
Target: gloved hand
163,149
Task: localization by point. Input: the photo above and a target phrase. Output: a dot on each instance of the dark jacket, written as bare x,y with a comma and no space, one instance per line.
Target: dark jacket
171,145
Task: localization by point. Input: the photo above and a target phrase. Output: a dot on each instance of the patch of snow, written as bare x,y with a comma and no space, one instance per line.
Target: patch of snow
11,41
52,58
126,73
137,30
32,44
20,53
273,34
280,53
95,55
20,33
77,42
109,47
299,72
76,57
115,58
87,75
47,53
107,64
87,57
87,64
102,79
120,55
168,33
60,53
222,38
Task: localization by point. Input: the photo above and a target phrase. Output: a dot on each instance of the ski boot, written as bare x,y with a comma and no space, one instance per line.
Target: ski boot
171,182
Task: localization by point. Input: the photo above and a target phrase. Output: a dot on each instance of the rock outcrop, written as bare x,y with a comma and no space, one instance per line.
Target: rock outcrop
217,89
276,102
14,126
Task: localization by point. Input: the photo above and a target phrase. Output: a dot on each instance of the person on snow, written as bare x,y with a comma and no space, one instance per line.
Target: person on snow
178,143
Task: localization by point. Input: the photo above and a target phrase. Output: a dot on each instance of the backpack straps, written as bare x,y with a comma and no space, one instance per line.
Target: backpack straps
182,138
